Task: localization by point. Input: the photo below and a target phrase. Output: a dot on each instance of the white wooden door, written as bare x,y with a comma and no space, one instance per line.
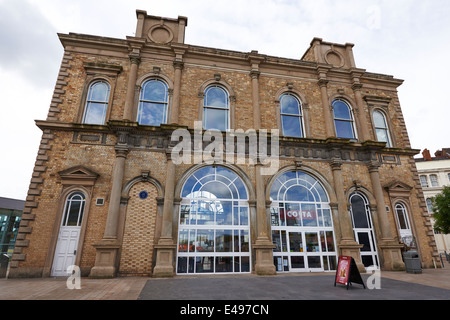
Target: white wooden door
66,249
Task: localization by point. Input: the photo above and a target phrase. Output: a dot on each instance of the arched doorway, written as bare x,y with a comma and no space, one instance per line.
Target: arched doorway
363,228
214,223
301,222
69,233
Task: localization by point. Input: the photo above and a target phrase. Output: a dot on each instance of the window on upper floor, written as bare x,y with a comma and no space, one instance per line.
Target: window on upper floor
96,103
343,119
153,103
434,180
291,116
424,181
216,108
381,127
429,205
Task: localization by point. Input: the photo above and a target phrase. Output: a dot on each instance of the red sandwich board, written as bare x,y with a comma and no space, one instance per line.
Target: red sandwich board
347,272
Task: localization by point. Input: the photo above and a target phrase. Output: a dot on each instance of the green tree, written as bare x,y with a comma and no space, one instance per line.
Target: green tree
441,211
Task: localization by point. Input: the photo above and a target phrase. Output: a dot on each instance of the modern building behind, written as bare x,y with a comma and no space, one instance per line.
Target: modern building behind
109,195
10,216
434,174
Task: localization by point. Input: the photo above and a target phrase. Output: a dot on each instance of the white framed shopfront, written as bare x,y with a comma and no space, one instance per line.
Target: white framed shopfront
301,223
213,223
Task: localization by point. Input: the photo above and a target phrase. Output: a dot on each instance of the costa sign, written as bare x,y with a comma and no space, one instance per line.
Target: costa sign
305,214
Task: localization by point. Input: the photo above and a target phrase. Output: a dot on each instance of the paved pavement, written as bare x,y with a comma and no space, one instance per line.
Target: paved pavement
431,284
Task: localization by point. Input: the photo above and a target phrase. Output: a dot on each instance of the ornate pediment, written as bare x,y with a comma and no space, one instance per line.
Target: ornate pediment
398,189
78,175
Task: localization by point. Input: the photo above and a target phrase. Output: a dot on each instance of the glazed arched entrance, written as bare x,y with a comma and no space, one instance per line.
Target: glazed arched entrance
302,225
214,223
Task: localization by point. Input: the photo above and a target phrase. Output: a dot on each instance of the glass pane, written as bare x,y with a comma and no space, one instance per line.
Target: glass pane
314,262
205,212
183,240
218,189
293,214
297,262
382,135
276,240
341,110
299,193
330,241
99,92
245,264
215,119
291,126
216,97
367,261
359,212
204,264
205,241
312,242
401,217
295,242
184,214
182,265
151,114
327,222
224,241
245,241
224,264
378,120
243,218
309,215
363,238
344,129
95,113
154,90
289,105
74,212
224,212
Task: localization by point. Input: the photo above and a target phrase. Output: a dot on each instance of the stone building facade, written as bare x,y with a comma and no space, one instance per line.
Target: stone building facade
108,193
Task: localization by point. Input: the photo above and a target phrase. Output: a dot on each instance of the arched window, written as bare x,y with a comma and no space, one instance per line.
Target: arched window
96,103
343,119
216,108
214,223
434,180
363,228
404,225
381,128
429,205
302,225
291,116
74,209
153,103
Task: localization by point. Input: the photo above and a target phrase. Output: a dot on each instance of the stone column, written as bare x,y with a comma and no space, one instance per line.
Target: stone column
254,74
129,100
165,247
178,66
329,127
390,249
263,245
106,250
362,119
347,244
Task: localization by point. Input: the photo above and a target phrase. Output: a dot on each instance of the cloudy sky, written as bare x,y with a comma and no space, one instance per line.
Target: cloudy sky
409,39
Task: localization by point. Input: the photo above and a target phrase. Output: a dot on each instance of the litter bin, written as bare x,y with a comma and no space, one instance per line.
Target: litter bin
412,262
4,260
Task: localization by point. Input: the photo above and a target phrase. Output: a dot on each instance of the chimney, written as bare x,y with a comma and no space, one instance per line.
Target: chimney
426,155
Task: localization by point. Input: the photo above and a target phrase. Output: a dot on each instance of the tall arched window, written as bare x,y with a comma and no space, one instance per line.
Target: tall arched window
381,127
302,225
214,223
291,116
363,228
96,103
74,209
343,119
216,108
153,103
403,222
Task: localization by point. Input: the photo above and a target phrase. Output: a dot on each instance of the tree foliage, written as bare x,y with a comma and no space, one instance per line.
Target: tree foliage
441,211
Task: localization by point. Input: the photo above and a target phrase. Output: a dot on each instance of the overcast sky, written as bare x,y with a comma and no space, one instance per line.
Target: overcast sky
409,39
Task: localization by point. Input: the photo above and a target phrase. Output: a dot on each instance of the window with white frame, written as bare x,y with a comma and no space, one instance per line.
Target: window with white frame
291,116
343,119
434,180
216,108
424,181
381,127
96,103
429,205
153,103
